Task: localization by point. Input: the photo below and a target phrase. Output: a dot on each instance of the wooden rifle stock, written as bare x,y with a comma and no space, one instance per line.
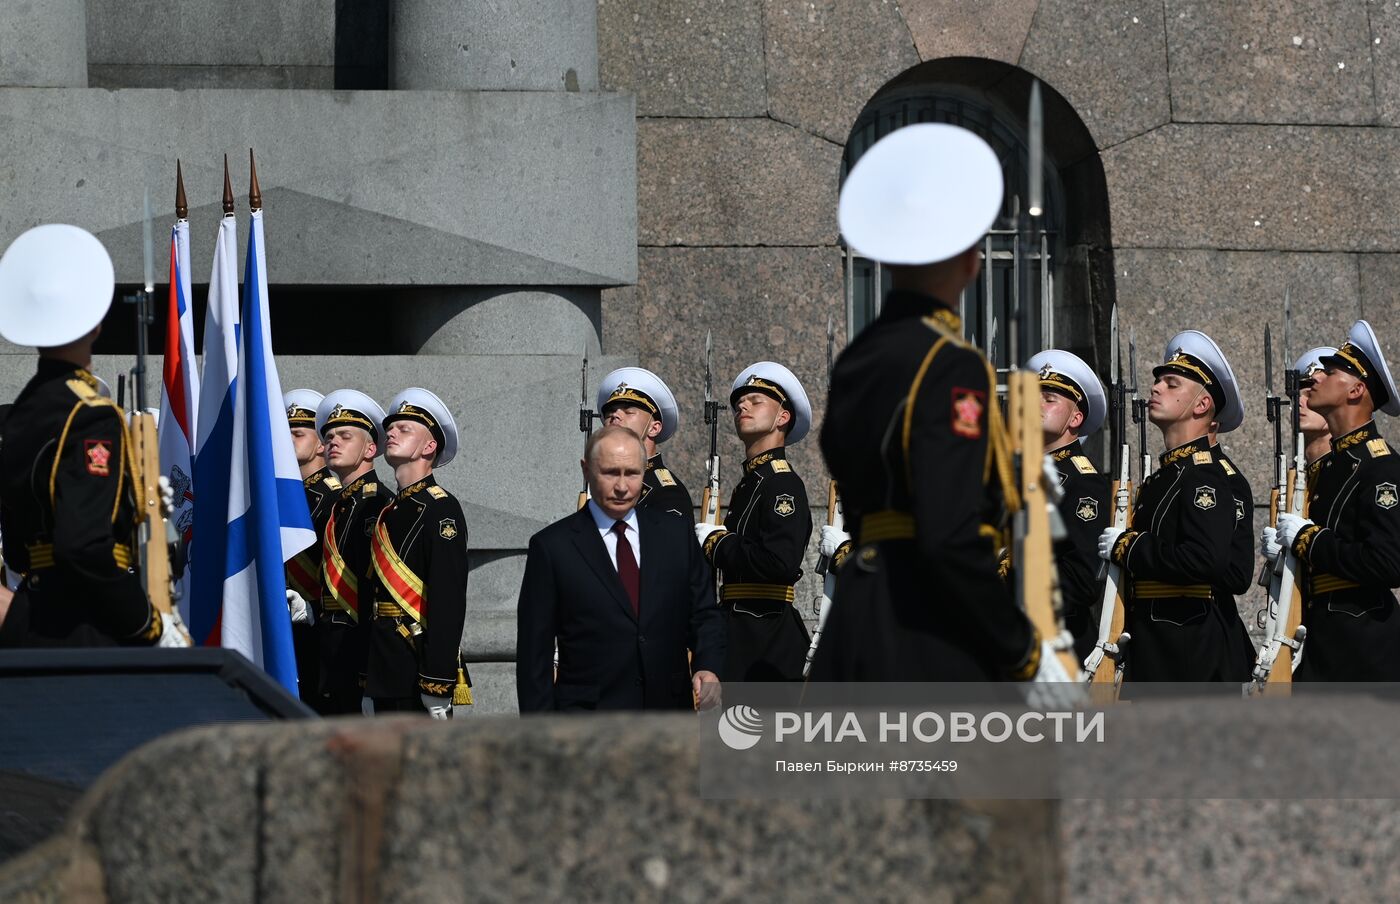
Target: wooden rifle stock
1036,576
1107,670
153,528
709,498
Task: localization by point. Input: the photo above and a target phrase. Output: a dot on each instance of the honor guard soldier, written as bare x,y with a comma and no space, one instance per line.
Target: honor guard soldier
1179,554
419,555
912,433
1072,407
67,468
349,424
304,569
637,399
759,548
1350,542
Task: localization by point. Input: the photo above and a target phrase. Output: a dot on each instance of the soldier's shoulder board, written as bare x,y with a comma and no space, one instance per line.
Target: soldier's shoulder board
332,481
1084,465
371,488
1377,447
663,477
1229,469
437,492
1201,458
81,389
781,467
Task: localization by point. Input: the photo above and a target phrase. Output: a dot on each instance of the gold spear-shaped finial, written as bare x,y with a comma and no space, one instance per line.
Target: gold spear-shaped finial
228,191
182,207
254,193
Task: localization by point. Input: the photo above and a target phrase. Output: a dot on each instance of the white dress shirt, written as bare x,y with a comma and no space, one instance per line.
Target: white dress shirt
605,527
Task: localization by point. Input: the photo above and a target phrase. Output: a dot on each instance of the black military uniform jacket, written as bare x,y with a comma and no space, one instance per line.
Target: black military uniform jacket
1240,576
304,569
759,553
908,437
68,505
1351,558
663,490
1086,510
1177,559
420,597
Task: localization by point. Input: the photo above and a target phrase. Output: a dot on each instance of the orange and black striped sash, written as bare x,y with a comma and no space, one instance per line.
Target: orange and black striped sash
403,585
302,575
340,580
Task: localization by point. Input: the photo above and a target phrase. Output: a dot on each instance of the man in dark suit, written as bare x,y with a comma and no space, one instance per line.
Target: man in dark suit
624,592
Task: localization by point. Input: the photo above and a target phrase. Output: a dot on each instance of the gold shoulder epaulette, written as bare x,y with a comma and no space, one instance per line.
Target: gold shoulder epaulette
781,467
1229,470
332,481
371,488
1201,458
1377,447
81,389
663,477
437,492
1084,465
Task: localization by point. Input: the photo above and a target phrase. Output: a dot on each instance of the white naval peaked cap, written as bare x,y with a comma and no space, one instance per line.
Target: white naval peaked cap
921,194
777,381
1311,360
1195,355
56,284
1070,375
350,408
298,401
1369,365
424,407
640,386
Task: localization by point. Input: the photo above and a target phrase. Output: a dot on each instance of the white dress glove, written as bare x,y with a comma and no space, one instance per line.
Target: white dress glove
172,632
1107,539
367,706
439,708
1269,546
301,612
832,538
167,494
1052,688
1289,526
703,529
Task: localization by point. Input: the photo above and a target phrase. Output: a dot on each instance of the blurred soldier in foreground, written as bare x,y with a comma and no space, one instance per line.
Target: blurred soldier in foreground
67,473
912,433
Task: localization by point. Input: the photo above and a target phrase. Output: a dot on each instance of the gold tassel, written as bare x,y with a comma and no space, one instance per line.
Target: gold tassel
462,693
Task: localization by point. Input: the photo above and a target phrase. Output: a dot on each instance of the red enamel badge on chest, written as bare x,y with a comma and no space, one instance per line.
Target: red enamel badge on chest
99,453
967,412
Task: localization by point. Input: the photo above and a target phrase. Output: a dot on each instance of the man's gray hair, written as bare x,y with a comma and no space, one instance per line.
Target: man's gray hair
608,433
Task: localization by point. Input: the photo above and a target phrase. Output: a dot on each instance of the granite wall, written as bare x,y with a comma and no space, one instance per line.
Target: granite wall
1248,149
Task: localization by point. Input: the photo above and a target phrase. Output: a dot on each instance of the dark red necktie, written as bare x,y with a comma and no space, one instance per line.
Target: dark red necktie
627,569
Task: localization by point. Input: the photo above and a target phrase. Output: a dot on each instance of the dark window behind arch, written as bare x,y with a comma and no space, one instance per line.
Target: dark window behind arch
990,97
985,323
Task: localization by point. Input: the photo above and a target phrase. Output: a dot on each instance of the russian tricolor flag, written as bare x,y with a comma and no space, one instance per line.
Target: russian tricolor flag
179,396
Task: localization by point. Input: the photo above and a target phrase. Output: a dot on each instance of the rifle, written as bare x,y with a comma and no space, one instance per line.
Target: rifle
1104,664
1284,631
1036,522
836,519
585,420
1139,414
709,499
154,532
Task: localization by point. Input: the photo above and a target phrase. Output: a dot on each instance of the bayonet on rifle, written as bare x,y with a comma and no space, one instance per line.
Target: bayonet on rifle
709,498
1105,662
